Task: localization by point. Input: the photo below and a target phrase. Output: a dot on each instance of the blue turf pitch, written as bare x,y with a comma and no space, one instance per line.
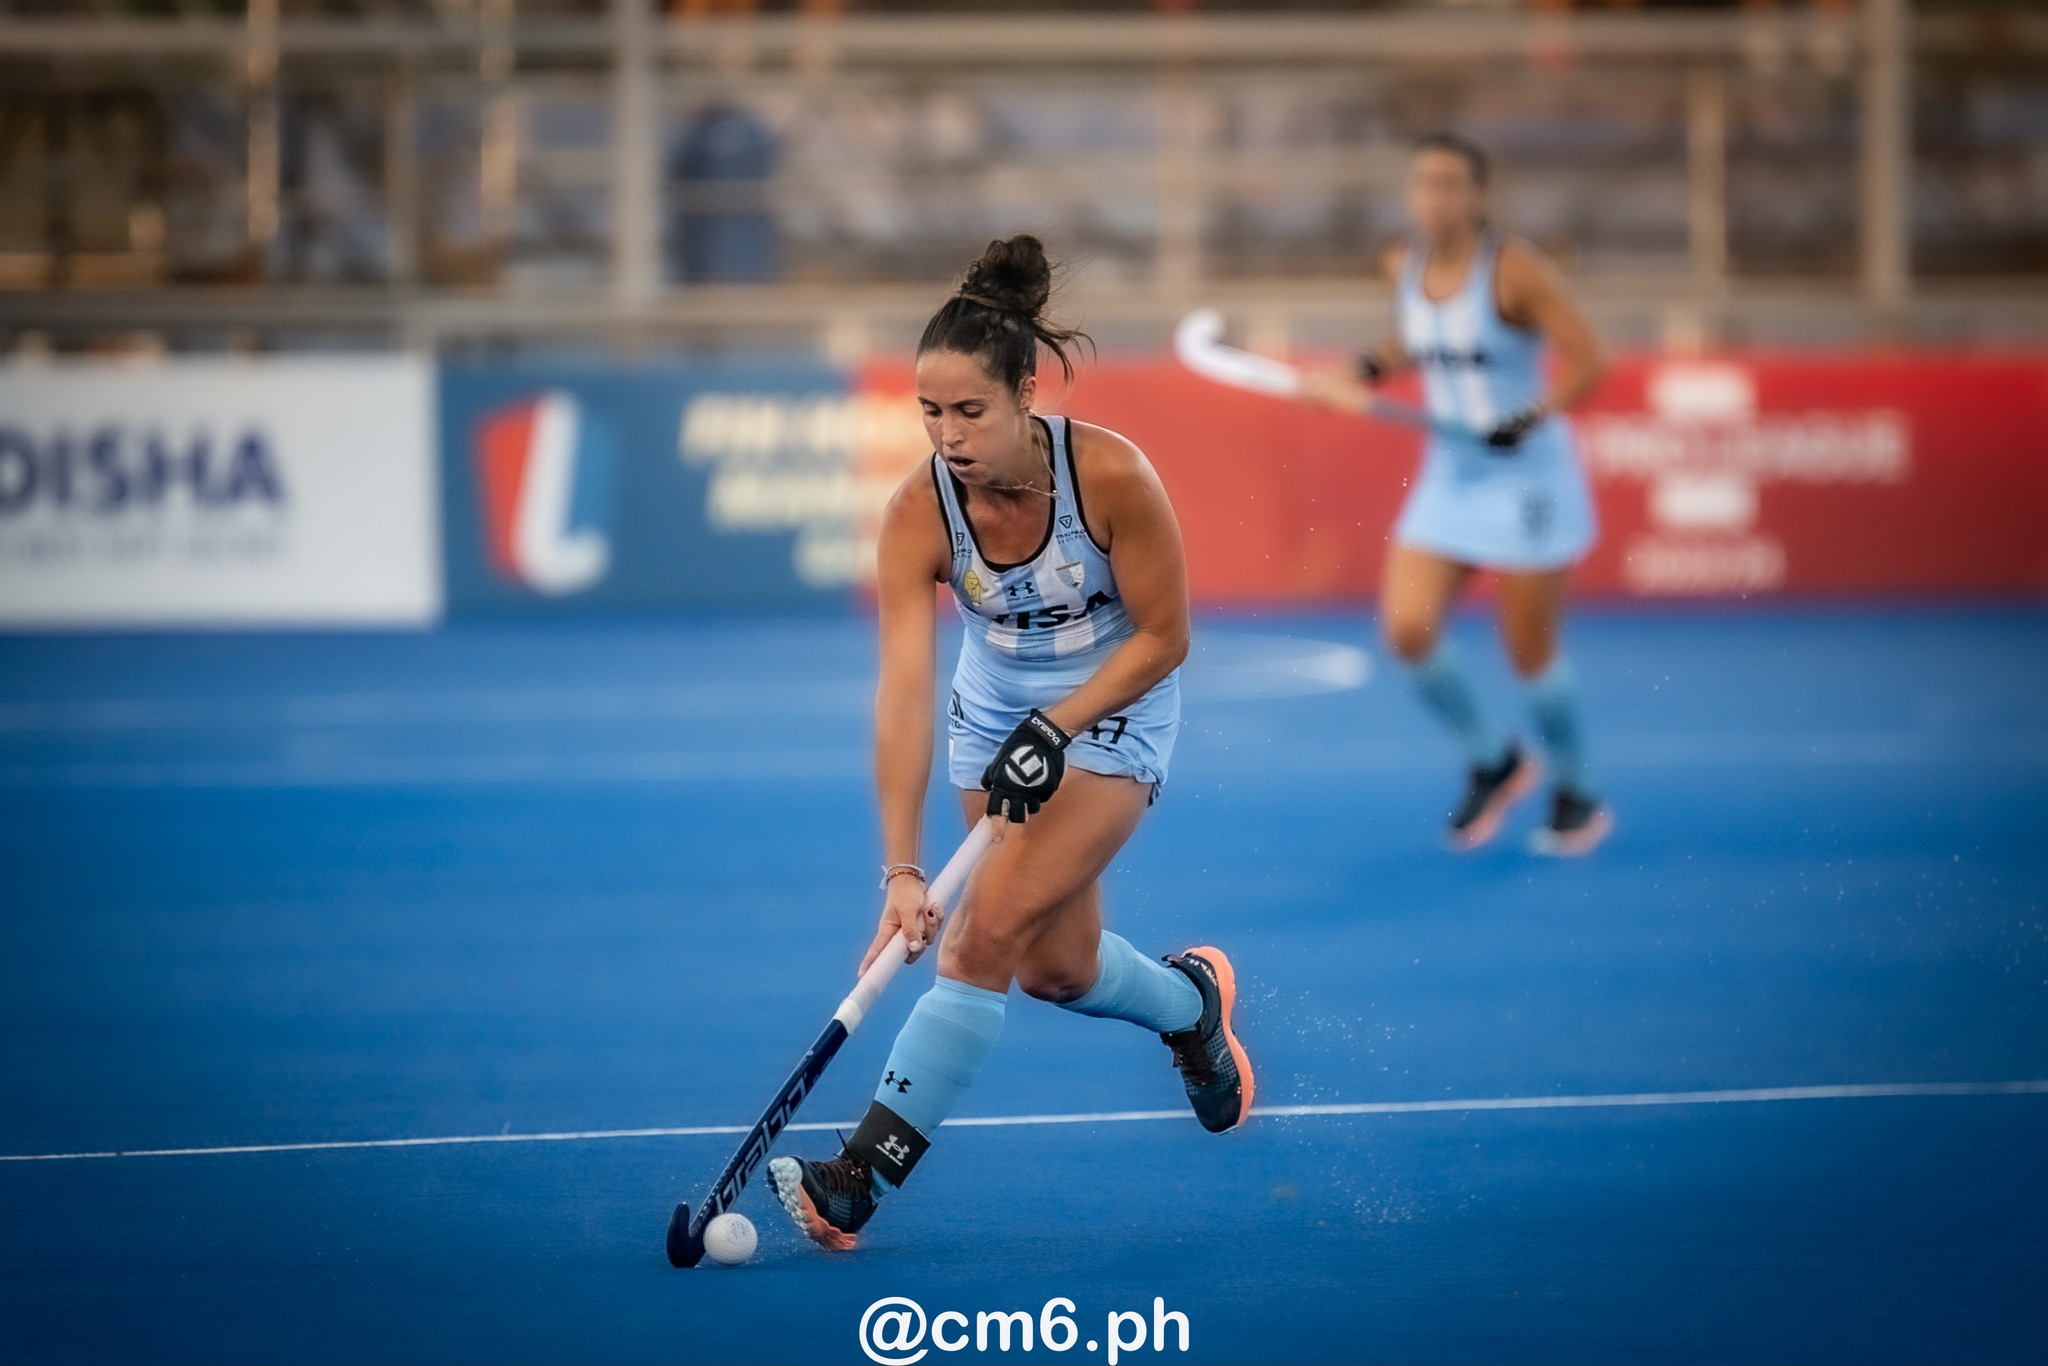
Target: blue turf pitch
538,878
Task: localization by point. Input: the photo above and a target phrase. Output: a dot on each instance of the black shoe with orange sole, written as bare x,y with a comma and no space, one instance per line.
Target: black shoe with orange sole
829,1201
1577,825
1212,1063
1489,794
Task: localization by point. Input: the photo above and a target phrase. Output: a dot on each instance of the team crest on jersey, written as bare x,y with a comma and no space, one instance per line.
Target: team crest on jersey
1071,573
974,587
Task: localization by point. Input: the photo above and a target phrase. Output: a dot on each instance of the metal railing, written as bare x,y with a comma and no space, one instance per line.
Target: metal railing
1185,200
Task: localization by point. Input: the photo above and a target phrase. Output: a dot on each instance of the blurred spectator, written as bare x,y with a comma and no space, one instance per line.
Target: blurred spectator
719,224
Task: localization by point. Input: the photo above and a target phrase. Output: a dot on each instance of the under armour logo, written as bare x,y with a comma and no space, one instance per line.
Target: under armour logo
901,1084
894,1148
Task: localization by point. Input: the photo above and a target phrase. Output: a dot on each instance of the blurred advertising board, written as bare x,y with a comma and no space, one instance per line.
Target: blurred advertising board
1725,477
372,491
218,492
572,487
1874,474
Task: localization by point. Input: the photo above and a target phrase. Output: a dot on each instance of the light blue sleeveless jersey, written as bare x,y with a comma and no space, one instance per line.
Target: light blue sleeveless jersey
1036,630
1528,508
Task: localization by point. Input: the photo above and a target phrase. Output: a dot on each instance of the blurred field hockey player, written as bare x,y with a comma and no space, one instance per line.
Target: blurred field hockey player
1500,489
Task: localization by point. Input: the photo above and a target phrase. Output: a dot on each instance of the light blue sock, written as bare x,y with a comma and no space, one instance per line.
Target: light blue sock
939,1053
1554,698
1143,990
1441,682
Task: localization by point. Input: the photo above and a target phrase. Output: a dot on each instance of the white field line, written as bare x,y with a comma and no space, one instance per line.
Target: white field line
1854,749
1746,1096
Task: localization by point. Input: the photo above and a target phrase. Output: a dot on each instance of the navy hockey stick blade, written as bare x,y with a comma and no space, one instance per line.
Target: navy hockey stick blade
684,1248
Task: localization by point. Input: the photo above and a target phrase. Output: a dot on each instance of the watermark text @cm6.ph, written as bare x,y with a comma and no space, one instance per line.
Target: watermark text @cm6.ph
896,1331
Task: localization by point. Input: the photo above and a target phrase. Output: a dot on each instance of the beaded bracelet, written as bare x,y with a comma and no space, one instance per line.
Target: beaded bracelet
891,871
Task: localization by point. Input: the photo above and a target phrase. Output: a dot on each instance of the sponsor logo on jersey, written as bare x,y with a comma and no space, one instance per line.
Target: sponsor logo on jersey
1451,356
543,475
1058,614
1022,589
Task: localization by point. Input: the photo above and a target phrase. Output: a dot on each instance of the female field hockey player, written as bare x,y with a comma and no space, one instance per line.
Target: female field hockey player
1477,312
1065,560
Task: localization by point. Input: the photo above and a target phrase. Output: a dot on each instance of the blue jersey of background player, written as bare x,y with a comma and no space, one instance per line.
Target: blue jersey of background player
1477,314
1065,561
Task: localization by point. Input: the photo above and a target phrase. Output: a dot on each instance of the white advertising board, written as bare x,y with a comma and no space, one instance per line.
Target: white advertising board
272,492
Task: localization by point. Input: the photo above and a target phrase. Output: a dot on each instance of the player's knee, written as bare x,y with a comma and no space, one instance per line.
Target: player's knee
1051,983
977,958
1413,638
974,950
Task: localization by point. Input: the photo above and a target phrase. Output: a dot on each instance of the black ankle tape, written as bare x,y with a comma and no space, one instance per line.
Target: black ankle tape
888,1143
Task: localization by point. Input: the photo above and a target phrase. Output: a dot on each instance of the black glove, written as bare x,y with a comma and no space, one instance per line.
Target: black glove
1027,768
1515,426
1371,369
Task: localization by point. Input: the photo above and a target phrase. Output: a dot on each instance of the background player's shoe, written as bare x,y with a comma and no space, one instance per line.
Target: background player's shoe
828,1200
1577,824
1489,794
1212,1063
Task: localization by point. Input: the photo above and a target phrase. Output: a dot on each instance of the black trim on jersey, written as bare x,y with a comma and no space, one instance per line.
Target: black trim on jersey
1488,238
1051,514
1074,471
952,551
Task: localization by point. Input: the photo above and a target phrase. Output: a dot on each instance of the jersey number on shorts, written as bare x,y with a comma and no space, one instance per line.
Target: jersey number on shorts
1109,730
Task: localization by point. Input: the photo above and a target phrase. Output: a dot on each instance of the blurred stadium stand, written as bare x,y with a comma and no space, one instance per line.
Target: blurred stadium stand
512,175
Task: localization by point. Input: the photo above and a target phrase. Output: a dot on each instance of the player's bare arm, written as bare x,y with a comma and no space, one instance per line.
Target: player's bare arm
910,560
1533,295
1348,387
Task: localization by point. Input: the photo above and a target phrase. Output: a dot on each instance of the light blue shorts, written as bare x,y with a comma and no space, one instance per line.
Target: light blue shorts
1530,510
992,699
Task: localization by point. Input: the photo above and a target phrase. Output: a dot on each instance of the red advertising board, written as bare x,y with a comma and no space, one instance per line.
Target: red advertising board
1729,476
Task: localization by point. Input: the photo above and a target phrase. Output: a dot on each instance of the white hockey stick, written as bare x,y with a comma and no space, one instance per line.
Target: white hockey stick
685,1233
1198,342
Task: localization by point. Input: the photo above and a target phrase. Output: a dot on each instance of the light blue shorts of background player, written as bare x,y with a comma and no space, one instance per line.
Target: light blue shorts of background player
1526,510
988,703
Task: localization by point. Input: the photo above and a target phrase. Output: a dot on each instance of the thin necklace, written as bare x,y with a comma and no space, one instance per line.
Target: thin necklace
1045,454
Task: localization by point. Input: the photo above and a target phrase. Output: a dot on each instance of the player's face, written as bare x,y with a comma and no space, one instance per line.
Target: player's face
975,421
1444,200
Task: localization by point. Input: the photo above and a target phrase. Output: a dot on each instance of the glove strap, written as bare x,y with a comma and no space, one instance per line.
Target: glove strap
1047,729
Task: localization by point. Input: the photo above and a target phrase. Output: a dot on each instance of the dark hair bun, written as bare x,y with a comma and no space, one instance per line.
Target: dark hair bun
998,314
1012,275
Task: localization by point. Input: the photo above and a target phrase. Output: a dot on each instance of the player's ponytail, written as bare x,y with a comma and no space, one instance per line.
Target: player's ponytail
998,315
